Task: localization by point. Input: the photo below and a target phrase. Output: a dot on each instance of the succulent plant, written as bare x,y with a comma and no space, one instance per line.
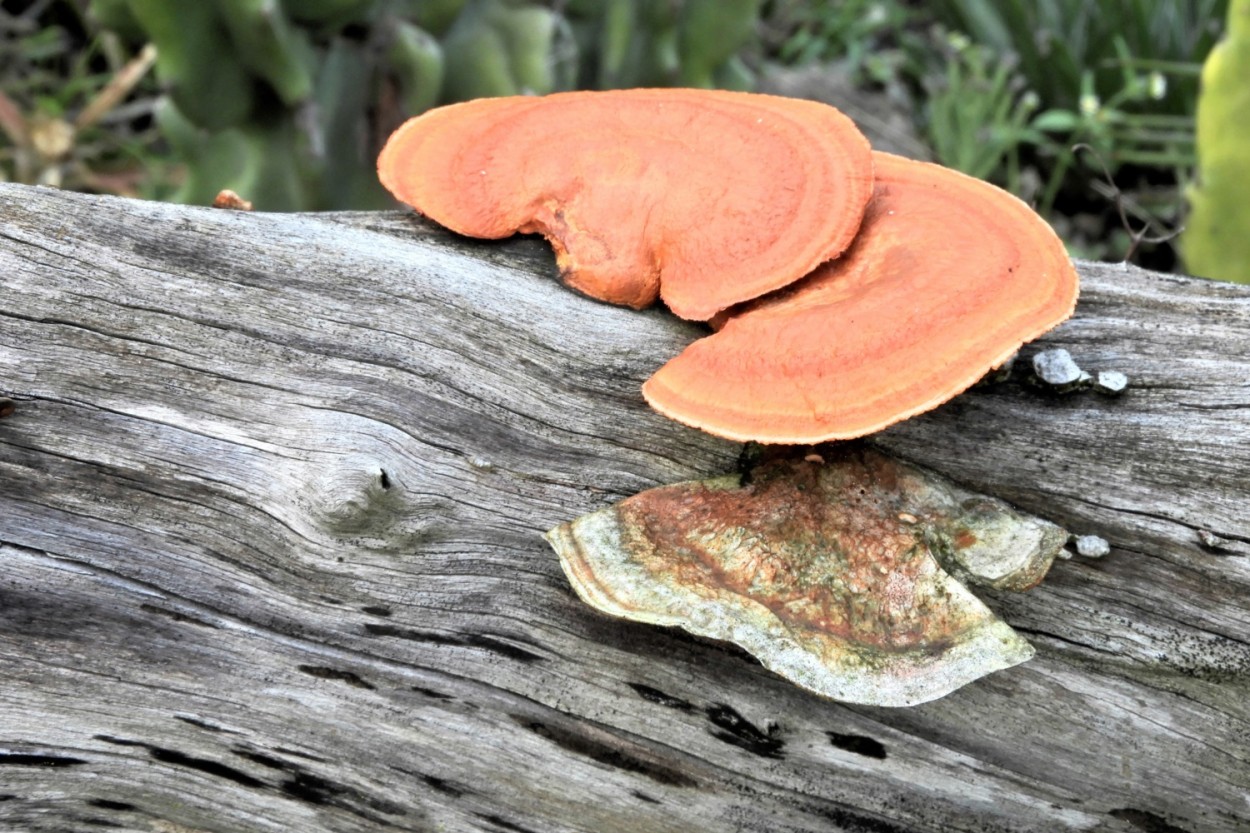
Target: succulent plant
287,101
1215,243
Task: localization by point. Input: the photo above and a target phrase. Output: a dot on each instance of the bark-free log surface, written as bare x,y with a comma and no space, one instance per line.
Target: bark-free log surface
271,506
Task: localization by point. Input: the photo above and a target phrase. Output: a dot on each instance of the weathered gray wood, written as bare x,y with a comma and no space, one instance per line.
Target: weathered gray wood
270,516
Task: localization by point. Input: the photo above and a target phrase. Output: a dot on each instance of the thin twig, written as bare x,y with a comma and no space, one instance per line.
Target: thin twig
1139,236
118,87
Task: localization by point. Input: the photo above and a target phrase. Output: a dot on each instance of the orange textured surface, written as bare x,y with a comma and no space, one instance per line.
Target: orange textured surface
704,198
947,278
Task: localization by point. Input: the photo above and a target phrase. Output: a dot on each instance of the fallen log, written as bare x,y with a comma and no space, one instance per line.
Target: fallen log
271,501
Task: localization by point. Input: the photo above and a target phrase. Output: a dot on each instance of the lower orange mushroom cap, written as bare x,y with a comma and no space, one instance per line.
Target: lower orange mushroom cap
947,278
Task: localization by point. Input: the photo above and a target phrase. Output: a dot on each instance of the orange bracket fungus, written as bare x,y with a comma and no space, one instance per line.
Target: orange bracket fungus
704,198
830,574
947,277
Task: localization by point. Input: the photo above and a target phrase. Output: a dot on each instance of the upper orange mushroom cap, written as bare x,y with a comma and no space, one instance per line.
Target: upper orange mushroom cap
705,198
948,277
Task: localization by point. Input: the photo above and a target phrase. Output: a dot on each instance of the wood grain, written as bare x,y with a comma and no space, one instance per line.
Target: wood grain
271,500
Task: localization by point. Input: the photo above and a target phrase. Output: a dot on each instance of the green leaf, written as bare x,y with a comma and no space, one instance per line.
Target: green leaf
1056,121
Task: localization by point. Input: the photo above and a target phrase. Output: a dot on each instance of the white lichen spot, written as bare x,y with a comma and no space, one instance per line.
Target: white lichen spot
1092,546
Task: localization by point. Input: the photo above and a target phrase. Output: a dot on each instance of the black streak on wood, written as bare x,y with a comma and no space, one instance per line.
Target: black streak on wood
322,672
735,729
859,744
471,640
654,695
1147,822
51,761
172,756
503,824
605,753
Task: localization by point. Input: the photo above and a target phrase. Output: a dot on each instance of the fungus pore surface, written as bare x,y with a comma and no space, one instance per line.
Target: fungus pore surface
704,198
947,278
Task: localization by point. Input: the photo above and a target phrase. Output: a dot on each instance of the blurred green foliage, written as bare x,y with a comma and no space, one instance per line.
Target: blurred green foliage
1004,90
1119,76
1217,235
874,41
1059,43
287,101
60,123
983,118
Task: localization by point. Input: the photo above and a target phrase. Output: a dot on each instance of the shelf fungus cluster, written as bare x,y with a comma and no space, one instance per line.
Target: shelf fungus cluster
846,289
851,288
